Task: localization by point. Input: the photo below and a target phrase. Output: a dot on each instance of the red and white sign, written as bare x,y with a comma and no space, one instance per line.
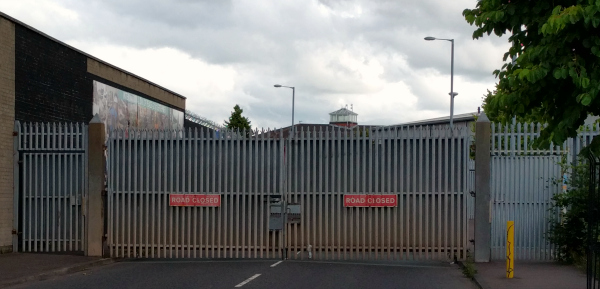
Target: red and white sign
179,200
370,200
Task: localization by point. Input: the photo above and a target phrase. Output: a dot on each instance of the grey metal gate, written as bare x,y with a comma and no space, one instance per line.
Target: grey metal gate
426,168
52,165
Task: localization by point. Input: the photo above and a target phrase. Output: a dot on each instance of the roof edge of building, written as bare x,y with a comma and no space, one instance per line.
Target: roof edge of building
4,15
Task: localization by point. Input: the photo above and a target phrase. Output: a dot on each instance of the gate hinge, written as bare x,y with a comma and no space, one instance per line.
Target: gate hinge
15,133
14,232
472,241
472,193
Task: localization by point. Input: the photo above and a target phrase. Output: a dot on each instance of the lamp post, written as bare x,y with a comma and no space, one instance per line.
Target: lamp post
286,171
452,93
293,96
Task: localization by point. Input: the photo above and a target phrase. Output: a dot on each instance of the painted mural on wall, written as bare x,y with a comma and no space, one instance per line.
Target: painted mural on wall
121,110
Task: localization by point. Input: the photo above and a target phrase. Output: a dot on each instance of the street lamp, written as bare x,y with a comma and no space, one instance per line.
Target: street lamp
452,93
293,96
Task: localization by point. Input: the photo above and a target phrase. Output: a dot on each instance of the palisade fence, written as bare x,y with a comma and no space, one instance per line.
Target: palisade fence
523,182
426,167
52,185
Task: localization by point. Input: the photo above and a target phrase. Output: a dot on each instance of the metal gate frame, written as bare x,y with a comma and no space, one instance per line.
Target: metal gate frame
145,166
51,177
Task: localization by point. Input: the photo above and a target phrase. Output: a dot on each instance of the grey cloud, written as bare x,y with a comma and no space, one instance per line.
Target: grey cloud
270,42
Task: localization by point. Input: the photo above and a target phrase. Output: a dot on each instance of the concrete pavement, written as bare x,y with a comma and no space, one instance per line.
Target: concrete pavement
530,275
17,268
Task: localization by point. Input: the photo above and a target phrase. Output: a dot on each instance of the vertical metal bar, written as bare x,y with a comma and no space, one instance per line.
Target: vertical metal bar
221,165
185,179
303,183
46,193
119,172
135,193
426,192
149,224
414,193
127,204
280,185
25,213
403,193
440,192
338,193
202,189
195,176
179,211
453,193
365,190
349,189
264,217
27,204
164,208
53,199
184,188
237,196
169,211
227,248
316,150
270,241
466,144
244,195
254,189
321,190
394,149
151,179
371,190
420,194
376,189
214,190
52,195
433,192
323,198
388,189
37,183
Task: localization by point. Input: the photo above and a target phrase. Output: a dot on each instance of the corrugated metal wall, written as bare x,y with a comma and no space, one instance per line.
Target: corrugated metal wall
426,168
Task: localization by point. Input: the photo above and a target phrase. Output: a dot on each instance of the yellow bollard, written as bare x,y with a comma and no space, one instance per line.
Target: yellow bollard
510,249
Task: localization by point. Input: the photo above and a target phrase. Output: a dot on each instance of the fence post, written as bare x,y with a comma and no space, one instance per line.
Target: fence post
95,201
16,194
482,189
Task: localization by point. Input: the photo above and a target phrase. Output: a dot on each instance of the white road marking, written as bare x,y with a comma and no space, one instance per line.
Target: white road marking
247,280
276,264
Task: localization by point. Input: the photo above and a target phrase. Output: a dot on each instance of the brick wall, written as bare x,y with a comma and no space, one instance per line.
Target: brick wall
7,118
52,83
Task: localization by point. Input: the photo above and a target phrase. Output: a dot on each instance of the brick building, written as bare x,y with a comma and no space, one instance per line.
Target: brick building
45,80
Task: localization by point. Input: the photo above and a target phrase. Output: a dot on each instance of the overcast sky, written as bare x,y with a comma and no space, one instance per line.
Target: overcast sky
369,54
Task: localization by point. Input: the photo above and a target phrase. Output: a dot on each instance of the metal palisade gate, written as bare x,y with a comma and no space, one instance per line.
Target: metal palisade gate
52,165
523,182
426,169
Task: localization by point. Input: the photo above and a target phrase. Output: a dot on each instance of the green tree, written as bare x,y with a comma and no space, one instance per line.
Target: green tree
555,75
569,232
237,121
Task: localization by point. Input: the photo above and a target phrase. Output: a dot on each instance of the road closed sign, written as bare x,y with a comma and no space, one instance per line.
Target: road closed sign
370,200
180,200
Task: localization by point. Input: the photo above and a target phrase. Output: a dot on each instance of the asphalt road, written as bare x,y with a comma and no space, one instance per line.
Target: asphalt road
262,274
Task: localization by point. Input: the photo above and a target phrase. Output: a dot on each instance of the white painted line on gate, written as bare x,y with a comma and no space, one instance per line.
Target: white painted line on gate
247,281
276,264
